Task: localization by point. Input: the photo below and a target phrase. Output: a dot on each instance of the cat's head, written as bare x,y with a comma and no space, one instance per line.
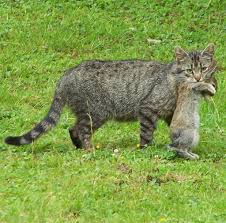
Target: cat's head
197,65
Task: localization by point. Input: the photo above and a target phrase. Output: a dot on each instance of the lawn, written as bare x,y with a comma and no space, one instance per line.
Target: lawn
50,181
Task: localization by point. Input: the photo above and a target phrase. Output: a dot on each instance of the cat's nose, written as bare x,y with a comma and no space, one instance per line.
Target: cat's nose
197,77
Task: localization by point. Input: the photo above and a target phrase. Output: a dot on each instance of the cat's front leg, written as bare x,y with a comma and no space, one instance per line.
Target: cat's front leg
148,122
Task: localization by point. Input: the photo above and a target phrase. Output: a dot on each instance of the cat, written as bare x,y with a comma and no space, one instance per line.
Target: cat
185,122
97,91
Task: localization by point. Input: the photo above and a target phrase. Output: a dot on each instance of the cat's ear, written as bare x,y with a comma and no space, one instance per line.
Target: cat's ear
180,54
208,51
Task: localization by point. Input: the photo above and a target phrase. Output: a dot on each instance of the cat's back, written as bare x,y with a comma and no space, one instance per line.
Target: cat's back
113,65
118,68
117,77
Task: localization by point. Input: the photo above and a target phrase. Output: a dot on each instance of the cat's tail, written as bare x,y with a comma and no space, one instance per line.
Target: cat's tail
46,124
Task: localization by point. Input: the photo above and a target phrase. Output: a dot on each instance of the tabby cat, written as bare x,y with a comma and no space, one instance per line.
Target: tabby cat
185,122
97,91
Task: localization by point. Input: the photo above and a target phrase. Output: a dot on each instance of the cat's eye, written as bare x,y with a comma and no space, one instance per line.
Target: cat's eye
189,70
204,69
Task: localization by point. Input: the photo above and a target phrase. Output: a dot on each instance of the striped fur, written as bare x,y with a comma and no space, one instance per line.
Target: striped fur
97,91
46,124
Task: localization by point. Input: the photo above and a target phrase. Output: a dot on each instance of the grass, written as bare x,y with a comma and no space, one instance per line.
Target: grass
50,181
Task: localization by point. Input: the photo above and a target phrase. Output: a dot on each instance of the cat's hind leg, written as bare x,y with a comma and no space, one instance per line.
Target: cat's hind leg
74,137
81,133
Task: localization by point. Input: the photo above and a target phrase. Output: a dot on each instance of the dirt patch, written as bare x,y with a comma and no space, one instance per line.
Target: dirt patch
124,168
169,177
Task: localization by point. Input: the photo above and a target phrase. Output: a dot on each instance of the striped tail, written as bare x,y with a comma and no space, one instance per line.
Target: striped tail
46,124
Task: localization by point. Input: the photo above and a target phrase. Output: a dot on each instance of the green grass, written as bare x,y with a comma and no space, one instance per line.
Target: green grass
49,181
